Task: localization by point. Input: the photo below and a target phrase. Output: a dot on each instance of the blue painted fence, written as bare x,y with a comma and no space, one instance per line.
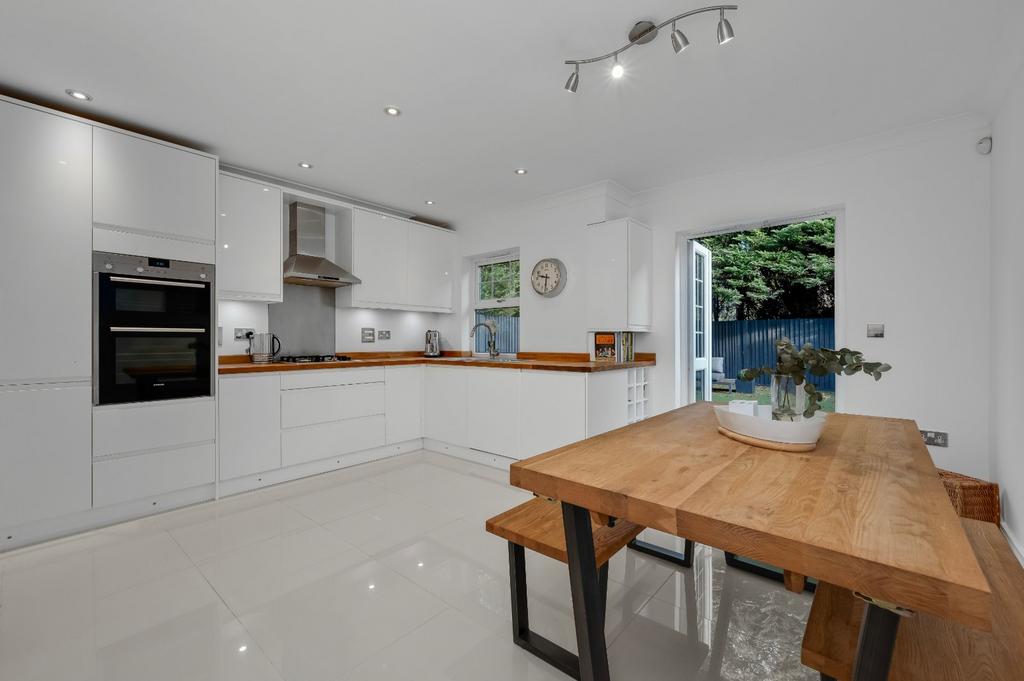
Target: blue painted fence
751,343
508,333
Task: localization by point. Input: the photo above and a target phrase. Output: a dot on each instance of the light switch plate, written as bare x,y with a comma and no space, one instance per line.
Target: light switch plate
935,438
384,335
240,334
369,335
876,330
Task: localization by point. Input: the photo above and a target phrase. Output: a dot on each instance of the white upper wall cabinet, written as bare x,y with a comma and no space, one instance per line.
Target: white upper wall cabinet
249,225
403,265
45,263
141,185
619,276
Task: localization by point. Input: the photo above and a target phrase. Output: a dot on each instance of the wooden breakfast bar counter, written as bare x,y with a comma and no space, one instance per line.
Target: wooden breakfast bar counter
865,511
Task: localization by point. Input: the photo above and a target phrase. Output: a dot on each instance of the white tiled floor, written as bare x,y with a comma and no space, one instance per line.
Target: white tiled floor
381,572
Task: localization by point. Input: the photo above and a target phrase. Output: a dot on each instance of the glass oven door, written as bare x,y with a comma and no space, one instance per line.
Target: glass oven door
140,364
153,339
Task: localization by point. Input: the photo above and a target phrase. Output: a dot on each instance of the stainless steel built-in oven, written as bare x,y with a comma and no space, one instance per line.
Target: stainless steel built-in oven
153,323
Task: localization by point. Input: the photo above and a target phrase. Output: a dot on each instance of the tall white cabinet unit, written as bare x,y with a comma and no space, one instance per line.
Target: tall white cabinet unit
403,265
619,276
249,248
152,198
45,356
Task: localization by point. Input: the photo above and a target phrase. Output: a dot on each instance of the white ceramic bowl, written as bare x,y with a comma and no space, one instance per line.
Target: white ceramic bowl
804,431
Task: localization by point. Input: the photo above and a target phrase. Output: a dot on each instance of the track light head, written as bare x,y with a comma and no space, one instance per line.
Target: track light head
617,70
679,41
725,33
574,80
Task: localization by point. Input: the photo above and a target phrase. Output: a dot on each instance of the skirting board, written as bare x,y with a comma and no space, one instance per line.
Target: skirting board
475,455
1015,544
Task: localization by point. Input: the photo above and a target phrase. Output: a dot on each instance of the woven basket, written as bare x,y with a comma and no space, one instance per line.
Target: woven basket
971,497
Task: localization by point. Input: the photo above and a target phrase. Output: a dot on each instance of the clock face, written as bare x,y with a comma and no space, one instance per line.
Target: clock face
548,277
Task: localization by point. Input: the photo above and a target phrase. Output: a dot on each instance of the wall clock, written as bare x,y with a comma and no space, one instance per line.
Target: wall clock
548,277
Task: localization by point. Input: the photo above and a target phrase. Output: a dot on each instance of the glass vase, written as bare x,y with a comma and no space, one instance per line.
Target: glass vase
788,399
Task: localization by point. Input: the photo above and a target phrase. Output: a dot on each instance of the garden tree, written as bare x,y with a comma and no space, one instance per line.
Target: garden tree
774,273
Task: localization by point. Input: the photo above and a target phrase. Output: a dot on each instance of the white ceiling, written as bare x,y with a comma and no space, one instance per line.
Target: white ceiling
267,84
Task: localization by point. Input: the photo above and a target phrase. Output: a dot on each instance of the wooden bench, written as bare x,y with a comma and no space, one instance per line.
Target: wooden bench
537,525
929,648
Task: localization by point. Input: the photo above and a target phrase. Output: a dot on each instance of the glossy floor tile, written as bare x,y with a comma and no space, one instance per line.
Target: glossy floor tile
380,572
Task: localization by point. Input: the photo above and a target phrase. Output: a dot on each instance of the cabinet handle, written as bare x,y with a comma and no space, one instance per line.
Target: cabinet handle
153,329
157,282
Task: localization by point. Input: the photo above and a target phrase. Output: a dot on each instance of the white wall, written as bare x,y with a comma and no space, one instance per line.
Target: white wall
1007,370
552,228
915,257
232,314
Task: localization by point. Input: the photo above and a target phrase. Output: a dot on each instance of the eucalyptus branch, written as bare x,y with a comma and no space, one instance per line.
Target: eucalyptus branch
815,361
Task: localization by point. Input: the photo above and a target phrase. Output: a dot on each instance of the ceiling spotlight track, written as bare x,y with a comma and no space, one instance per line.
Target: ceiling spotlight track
644,32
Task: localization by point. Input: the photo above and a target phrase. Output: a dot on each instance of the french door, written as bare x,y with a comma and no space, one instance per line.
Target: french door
700,321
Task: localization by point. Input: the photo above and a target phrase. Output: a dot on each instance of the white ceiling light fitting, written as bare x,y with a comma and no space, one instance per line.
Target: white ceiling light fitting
644,32
304,165
392,111
79,95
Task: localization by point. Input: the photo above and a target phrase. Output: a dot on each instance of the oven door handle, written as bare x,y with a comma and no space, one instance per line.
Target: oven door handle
157,282
154,329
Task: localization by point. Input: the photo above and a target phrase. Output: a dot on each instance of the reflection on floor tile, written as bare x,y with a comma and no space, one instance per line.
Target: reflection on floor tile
381,572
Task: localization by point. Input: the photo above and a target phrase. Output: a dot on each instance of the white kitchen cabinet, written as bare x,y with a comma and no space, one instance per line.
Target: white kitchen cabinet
45,453
45,261
553,410
380,256
607,401
403,265
321,405
324,440
444,404
619,276
151,474
492,410
403,391
430,271
144,426
249,226
154,187
249,408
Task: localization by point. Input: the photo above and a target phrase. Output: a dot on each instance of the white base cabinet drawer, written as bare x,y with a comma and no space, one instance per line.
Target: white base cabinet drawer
325,440
320,405
119,429
145,475
292,380
403,398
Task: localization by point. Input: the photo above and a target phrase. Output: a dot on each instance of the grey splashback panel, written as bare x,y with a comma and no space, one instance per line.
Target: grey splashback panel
304,321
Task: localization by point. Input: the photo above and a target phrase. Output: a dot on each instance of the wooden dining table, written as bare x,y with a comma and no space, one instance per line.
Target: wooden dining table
865,510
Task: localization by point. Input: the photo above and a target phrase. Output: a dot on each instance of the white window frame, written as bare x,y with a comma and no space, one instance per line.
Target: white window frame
492,303
480,303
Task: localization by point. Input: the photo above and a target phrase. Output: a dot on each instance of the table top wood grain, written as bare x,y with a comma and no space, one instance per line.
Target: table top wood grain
866,510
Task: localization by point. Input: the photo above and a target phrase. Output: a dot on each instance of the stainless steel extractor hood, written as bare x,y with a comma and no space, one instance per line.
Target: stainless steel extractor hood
307,241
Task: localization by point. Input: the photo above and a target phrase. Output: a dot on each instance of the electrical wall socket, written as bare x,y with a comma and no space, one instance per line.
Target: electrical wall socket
240,334
384,335
935,438
369,335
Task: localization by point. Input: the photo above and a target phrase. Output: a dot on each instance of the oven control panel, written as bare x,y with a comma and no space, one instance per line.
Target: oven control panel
158,268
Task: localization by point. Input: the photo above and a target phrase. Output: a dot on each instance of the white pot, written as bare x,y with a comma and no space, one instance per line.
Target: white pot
803,431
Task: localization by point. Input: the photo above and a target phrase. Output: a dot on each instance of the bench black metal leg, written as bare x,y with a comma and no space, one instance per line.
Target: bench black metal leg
552,653
826,677
587,600
876,643
684,559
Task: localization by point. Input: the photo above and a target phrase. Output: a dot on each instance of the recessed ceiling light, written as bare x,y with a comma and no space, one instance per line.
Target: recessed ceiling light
225,245
78,94
520,171
392,111
303,164
429,202
242,649
266,189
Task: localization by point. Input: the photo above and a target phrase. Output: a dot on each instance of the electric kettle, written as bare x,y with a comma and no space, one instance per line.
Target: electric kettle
263,347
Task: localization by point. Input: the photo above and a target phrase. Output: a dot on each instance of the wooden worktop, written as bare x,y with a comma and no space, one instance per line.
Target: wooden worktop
866,510
578,362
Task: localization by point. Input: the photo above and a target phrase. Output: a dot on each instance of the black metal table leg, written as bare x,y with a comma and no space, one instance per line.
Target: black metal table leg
552,653
876,643
684,559
587,600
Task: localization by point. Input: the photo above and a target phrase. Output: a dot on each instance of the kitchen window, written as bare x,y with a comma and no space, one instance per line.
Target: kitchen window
497,300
